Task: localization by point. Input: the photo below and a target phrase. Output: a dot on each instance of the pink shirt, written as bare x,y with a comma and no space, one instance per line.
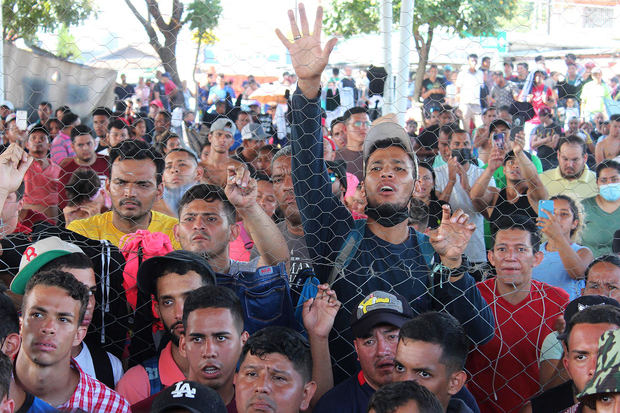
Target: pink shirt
42,186
61,148
135,385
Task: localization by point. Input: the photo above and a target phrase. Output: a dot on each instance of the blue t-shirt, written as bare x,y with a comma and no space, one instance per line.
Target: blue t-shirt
350,396
377,264
33,404
551,271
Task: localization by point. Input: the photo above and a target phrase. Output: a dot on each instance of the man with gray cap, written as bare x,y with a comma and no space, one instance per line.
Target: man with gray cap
253,138
382,253
221,136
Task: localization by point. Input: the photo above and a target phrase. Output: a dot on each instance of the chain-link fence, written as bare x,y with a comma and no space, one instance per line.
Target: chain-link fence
510,107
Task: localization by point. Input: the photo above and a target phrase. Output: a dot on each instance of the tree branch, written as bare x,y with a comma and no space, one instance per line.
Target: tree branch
149,30
153,9
177,14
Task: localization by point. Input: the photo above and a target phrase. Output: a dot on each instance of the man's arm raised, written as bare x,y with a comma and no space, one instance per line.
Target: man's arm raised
308,58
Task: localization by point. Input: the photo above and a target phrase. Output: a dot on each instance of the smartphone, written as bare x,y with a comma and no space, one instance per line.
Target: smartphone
545,206
498,139
21,119
514,131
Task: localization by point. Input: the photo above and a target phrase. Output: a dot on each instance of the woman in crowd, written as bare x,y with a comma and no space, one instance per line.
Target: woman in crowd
603,211
565,262
425,191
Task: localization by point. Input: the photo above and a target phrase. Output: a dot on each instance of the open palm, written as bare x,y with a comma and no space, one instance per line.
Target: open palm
308,57
453,235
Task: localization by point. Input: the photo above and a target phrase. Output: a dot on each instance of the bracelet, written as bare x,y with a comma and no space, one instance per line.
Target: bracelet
441,274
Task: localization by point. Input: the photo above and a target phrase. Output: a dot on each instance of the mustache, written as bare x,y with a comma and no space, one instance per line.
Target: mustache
132,200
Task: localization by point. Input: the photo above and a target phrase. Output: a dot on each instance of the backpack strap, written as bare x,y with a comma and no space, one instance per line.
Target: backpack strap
347,251
103,365
152,370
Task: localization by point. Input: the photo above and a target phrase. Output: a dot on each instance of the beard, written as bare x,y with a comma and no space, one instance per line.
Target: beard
570,176
388,214
168,332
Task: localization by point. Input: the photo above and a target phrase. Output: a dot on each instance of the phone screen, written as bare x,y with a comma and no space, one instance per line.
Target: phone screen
498,138
21,119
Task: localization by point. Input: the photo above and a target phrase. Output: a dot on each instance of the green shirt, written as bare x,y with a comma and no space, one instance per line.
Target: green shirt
500,176
598,234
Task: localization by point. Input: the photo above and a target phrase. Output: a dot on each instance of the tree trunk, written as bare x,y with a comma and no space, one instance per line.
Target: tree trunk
423,47
168,57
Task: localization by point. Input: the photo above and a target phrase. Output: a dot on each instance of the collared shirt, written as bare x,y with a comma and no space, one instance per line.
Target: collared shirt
135,385
61,148
94,397
578,189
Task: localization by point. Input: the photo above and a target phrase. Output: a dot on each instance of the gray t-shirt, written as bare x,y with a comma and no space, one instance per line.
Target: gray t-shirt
300,257
243,266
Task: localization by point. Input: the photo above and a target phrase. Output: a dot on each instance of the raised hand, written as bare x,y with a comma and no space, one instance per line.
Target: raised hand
240,187
14,163
453,235
550,226
308,57
496,159
319,313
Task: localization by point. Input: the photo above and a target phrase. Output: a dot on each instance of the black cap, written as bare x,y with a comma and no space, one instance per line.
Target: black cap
380,307
151,269
339,168
496,123
188,395
583,302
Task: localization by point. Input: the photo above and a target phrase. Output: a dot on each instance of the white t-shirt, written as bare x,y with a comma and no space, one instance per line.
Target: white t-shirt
470,84
85,361
476,250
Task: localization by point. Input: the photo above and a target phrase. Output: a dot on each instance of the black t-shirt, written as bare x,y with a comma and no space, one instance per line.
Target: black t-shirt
428,137
505,208
434,99
548,155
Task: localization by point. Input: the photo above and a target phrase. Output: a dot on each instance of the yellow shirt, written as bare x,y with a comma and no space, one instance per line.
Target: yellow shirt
100,227
578,189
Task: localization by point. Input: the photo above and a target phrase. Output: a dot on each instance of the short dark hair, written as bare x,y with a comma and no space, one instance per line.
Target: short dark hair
284,341
181,267
68,118
607,163
472,56
595,314
165,114
442,329
389,142
191,154
520,222
539,58
64,109
504,108
454,131
509,64
137,150
214,296
81,130
9,317
572,140
615,117
335,122
45,103
6,374
117,124
390,397
102,111
75,260
574,209
82,186
269,148
524,65
352,111
612,259
208,193
486,58
63,280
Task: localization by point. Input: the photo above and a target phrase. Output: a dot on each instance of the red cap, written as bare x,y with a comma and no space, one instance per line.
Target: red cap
157,103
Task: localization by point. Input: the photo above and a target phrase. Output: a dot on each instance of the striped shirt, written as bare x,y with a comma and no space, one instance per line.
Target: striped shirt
61,148
94,397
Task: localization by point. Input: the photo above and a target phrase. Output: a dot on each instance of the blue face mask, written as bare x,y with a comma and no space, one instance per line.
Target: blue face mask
610,192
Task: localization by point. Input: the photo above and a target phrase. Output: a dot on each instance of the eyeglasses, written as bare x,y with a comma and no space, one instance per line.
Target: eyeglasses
359,124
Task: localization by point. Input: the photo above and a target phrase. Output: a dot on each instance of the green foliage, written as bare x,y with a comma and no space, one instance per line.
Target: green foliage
202,16
475,17
23,18
66,47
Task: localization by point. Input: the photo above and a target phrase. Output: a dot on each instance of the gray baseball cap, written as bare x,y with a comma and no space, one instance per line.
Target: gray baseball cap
253,131
389,130
224,124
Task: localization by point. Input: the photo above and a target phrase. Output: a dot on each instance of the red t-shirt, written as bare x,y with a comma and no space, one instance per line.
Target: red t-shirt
68,166
504,372
538,92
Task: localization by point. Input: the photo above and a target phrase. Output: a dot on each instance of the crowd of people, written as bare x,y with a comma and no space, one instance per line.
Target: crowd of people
341,262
